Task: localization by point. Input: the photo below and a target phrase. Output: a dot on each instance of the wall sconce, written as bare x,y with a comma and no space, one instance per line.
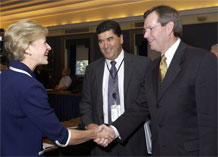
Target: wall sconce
202,18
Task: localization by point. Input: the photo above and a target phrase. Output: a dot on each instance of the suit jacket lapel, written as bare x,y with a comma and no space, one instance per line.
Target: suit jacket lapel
99,78
173,69
127,71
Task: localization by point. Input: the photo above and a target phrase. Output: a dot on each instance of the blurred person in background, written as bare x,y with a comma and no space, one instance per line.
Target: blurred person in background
214,49
4,63
65,81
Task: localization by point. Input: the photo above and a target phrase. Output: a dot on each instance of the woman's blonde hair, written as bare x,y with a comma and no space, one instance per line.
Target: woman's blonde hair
19,35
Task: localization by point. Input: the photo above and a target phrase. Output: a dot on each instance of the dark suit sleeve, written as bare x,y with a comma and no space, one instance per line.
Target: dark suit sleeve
134,116
206,98
85,104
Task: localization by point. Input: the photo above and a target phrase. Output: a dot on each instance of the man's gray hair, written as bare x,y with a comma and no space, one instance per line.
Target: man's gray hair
215,47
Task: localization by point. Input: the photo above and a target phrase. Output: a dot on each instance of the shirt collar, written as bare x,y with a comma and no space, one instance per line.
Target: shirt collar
171,51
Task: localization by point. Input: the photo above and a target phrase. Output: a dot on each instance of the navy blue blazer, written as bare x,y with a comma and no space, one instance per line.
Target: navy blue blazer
26,114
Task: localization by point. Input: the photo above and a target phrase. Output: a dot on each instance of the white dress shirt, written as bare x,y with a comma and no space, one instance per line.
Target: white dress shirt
171,51
65,82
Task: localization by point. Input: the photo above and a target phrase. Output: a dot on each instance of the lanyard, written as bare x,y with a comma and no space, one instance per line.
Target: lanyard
116,71
19,70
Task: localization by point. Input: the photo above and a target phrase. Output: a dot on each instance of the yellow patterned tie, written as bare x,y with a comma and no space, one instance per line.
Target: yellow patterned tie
163,68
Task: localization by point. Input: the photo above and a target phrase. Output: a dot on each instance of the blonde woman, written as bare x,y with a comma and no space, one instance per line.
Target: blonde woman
25,112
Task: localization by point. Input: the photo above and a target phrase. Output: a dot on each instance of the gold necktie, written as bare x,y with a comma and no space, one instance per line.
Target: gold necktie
163,68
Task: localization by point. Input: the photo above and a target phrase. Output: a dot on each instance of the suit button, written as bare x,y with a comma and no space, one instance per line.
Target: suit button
160,125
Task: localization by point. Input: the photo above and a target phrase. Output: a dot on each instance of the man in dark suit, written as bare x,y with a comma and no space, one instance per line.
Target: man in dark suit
94,106
183,106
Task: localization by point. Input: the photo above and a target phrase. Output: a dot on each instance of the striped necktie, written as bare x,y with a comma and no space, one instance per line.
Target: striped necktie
113,91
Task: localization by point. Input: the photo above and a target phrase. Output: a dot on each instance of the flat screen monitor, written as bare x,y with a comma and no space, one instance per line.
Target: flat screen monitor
81,67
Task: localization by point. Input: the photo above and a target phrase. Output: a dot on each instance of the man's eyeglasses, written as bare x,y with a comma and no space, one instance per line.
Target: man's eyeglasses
150,29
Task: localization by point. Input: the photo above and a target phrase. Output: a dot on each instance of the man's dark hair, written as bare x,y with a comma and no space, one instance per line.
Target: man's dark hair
109,25
167,14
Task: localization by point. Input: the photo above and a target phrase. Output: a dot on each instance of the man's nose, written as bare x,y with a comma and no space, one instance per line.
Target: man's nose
146,34
106,43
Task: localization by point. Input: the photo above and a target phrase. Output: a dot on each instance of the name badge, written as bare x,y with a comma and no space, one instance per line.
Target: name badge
115,112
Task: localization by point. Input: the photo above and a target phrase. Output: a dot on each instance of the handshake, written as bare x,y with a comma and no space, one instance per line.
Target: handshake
104,134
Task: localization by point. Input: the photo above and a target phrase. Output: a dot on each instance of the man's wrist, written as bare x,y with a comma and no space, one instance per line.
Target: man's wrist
115,131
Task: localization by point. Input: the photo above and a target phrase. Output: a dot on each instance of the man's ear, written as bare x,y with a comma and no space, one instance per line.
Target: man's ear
121,38
170,27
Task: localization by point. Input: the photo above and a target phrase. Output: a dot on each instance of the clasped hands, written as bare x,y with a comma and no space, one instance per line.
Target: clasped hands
105,134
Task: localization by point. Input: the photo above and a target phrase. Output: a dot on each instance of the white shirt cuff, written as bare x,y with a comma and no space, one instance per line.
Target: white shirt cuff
64,145
116,132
